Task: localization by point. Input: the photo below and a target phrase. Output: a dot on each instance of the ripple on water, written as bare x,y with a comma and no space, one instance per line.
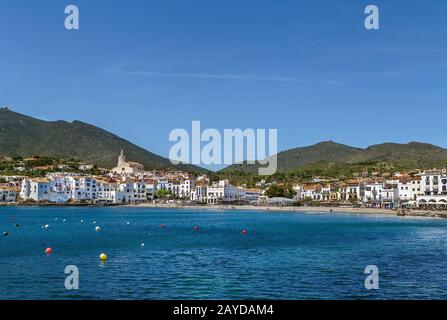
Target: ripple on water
283,256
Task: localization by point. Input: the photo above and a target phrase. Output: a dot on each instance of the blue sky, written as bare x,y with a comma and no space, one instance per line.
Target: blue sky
308,68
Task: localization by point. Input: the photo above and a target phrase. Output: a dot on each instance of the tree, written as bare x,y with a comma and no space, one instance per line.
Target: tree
162,193
281,191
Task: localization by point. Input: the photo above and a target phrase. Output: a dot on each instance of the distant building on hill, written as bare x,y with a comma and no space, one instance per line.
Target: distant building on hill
127,168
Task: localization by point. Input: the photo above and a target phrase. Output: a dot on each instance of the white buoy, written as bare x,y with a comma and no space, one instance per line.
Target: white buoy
127,223
94,222
98,229
142,244
82,221
64,220
47,226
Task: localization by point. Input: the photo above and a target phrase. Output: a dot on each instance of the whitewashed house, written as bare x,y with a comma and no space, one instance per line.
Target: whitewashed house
182,189
434,188
8,194
409,190
370,193
389,197
198,194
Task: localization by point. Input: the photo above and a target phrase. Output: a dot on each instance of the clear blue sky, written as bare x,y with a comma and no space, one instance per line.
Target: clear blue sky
308,68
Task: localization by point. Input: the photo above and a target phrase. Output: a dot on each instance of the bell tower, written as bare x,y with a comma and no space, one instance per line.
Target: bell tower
121,159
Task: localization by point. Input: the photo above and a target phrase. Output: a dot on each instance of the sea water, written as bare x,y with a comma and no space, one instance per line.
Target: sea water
282,255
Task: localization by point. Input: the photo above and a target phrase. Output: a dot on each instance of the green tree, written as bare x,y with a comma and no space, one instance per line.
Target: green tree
162,193
282,191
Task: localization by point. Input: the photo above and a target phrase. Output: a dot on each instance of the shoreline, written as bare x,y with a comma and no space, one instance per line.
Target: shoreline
273,209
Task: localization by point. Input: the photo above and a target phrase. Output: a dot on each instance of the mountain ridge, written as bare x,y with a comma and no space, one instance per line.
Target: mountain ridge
25,136
412,154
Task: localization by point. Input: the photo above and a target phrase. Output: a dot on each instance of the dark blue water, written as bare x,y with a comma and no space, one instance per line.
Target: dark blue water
283,256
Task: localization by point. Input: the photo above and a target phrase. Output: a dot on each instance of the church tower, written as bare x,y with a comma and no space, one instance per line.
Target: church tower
121,159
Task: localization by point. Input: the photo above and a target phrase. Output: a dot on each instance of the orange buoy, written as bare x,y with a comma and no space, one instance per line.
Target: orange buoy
244,232
48,251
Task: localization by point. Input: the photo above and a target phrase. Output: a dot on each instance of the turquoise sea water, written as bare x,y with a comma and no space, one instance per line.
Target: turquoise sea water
283,255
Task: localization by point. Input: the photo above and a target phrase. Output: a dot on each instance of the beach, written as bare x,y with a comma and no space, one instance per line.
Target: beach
290,209
302,209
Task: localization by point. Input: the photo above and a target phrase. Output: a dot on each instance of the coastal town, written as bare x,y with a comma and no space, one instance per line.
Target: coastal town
129,183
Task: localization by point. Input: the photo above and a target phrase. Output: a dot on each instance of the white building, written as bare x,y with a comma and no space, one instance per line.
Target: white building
86,167
106,191
389,197
350,192
82,188
250,196
223,192
127,168
62,189
371,193
139,192
36,189
434,182
409,190
8,194
164,184
181,189
215,194
198,194
434,189
310,192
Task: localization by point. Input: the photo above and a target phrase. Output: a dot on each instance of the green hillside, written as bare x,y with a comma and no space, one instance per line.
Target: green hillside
326,156
25,136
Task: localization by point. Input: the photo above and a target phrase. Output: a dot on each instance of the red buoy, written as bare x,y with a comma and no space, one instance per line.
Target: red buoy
48,251
196,228
244,232
162,226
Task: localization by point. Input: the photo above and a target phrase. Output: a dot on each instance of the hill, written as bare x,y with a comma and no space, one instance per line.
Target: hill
411,155
24,136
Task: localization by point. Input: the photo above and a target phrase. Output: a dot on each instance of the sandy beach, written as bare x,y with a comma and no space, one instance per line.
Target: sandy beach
381,211
273,209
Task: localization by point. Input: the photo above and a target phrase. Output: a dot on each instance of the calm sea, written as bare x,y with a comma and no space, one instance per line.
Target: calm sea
282,256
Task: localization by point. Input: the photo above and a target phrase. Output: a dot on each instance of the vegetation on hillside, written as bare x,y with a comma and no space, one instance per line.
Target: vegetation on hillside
23,136
331,159
40,166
